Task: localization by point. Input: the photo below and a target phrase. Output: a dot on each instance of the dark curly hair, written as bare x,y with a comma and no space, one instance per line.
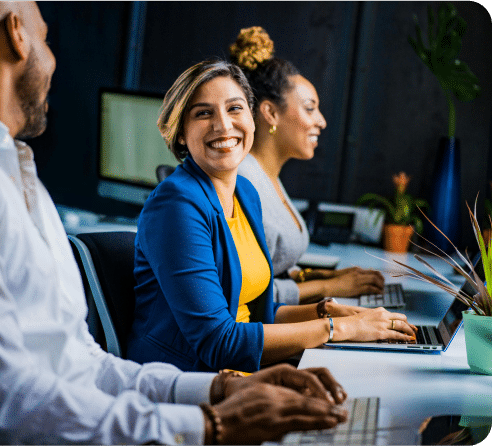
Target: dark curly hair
268,76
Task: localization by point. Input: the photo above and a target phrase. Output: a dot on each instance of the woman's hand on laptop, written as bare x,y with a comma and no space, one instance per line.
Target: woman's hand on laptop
373,325
354,281
315,284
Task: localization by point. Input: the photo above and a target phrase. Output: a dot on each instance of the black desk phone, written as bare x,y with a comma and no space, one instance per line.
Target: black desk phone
329,226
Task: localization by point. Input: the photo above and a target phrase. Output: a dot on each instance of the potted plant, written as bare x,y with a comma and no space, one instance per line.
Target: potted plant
401,216
456,79
478,320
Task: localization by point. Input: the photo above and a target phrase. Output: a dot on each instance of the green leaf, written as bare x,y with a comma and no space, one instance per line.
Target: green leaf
372,199
444,46
421,203
418,226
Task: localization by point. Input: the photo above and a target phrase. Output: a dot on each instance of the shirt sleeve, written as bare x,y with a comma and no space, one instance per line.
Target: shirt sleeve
38,405
176,222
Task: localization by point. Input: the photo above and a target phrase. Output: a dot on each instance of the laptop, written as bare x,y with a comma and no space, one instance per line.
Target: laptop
430,338
364,426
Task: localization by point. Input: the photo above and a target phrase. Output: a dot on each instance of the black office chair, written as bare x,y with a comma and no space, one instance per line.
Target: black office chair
162,171
93,320
107,259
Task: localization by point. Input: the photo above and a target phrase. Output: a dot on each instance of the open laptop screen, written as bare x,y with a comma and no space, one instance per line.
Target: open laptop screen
453,317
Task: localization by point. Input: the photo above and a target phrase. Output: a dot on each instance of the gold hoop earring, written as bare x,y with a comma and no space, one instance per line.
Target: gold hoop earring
273,129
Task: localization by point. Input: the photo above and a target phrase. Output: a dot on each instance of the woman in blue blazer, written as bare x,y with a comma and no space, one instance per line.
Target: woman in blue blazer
191,266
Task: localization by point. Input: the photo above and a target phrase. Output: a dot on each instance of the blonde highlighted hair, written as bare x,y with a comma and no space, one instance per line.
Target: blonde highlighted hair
177,99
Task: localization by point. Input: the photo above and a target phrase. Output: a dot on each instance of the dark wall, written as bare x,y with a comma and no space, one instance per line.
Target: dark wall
88,41
385,110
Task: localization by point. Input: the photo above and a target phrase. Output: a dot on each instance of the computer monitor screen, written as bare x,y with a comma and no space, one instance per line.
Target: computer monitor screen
130,145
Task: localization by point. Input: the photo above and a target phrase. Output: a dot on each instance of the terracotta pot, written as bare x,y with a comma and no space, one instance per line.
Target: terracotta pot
397,237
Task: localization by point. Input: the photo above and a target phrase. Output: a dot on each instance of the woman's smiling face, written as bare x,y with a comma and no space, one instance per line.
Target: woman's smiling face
218,126
301,122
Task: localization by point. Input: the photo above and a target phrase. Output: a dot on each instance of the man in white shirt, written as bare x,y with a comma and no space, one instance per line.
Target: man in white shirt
56,384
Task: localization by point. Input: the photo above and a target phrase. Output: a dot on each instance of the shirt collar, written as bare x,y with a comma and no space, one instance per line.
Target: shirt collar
6,141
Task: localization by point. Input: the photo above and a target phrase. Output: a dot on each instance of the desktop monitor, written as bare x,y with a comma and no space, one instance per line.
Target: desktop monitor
130,145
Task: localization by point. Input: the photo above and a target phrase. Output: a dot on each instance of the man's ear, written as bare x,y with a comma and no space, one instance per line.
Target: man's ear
17,36
269,111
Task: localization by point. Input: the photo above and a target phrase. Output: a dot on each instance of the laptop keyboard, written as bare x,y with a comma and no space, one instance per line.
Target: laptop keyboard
392,297
427,335
359,429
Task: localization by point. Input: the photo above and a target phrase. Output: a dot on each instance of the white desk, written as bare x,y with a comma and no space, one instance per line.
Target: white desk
411,386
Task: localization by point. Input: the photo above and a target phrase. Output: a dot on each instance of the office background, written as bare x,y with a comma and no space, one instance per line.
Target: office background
385,110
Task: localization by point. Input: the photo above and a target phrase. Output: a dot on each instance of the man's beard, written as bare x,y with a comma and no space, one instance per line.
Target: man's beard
28,88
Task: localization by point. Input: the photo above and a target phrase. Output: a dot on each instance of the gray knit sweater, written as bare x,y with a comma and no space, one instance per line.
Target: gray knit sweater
285,242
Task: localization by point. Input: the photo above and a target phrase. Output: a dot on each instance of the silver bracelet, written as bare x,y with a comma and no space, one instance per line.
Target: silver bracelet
330,338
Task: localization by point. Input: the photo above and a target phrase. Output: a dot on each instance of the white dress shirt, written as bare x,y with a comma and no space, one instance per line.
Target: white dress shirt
56,384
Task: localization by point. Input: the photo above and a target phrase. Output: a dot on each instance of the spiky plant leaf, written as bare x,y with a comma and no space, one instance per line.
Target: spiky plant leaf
481,302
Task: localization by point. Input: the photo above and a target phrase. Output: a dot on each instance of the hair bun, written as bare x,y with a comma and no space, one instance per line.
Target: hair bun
253,46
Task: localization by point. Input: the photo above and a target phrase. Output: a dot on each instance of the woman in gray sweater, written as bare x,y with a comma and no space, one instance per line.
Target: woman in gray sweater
288,123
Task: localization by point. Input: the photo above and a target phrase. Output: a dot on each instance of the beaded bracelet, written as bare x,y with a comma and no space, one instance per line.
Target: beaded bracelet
217,426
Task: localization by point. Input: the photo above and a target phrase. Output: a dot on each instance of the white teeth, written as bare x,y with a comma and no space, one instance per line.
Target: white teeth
313,138
227,144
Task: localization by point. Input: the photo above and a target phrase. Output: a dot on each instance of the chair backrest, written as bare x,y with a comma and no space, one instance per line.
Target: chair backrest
93,319
162,171
108,261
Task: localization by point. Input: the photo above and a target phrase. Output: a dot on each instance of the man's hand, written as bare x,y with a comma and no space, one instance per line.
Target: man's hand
265,412
315,382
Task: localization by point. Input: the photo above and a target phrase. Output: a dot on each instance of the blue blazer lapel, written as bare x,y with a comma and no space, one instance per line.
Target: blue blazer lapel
231,264
192,167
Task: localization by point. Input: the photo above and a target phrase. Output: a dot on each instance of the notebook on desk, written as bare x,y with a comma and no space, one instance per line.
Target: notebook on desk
430,338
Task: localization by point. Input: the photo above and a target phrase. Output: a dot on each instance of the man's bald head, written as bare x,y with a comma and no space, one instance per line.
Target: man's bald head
26,67
25,10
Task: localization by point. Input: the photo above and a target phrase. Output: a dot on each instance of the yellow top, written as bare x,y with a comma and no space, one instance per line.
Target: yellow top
254,265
